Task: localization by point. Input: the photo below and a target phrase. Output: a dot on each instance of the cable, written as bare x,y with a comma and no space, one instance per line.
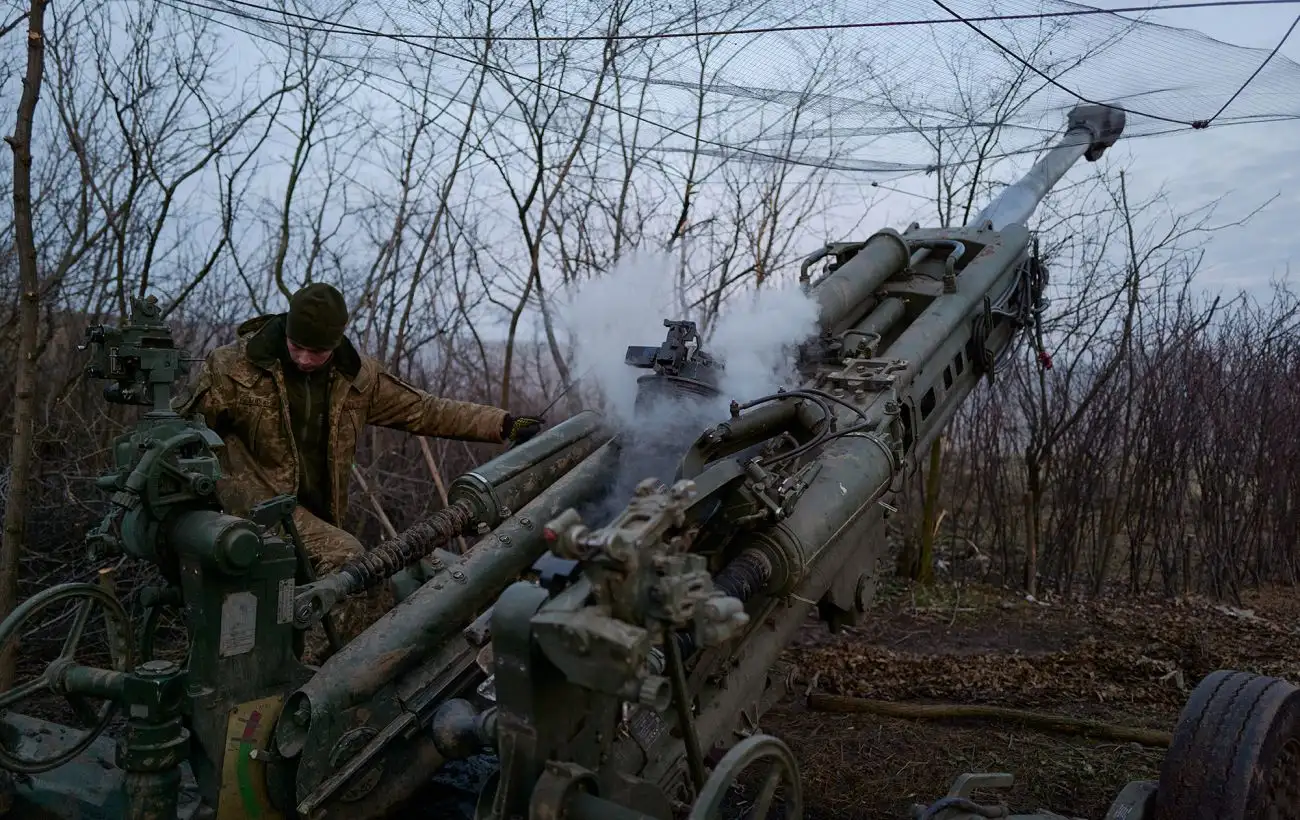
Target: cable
666,35
339,28
1255,74
1195,124
903,169
1050,80
1127,138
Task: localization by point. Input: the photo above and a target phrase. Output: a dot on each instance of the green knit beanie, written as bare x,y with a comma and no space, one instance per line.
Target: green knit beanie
317,317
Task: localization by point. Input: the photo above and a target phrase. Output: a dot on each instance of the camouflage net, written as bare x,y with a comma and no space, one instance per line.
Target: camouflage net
873,88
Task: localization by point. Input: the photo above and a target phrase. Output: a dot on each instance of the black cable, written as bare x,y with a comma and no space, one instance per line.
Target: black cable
820,397
1195,124
340,28
1019,152
344,29
968,21
666,35
1255,74
826,434
1050,80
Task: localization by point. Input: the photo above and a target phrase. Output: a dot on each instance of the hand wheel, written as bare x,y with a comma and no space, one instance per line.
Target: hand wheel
54,677
782,770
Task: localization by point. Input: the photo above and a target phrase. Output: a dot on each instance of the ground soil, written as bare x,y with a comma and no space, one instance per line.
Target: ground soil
1122,660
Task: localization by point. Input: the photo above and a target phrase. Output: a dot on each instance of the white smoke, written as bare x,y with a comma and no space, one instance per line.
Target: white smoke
605,316
754,336
756,340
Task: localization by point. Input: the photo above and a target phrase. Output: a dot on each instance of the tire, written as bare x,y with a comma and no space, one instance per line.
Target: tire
1235,753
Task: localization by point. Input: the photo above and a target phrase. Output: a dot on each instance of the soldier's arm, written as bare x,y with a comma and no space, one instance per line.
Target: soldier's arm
205,396
402,406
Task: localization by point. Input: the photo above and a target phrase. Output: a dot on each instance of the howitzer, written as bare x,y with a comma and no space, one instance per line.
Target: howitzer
627,679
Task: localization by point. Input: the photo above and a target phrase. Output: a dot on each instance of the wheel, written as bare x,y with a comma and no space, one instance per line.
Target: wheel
1235,753
782,771
52,679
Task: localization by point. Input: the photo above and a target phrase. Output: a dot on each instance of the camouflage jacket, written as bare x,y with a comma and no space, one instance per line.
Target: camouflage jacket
240,390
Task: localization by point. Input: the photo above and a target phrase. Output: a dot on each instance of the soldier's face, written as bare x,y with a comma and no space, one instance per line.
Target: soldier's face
306,358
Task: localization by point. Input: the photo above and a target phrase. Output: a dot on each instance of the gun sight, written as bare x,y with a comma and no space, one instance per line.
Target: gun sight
139,355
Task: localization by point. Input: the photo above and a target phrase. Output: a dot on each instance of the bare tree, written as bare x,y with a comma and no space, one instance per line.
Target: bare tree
15,518
541,187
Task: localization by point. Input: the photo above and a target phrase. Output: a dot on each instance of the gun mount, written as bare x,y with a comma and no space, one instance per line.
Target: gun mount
626,680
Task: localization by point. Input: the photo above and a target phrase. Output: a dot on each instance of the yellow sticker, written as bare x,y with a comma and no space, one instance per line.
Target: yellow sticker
243,779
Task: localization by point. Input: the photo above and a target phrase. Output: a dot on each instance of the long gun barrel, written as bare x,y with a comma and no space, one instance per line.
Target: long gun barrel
844,296
1090,131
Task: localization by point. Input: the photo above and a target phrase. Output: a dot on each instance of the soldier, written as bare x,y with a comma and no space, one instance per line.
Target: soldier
290,398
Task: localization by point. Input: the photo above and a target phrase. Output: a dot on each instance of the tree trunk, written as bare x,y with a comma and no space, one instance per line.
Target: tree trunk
929,527
1032,505
1064,724
15,522
909,545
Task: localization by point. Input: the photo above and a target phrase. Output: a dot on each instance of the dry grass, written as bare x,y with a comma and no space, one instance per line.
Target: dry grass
1130,662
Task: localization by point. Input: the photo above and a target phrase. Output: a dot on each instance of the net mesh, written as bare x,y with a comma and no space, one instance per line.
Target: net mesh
874,88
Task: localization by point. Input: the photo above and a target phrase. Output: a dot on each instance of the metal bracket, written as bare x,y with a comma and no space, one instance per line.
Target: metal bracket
863,374
841,251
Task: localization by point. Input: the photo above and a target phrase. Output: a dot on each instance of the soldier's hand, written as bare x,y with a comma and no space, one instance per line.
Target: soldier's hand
518,429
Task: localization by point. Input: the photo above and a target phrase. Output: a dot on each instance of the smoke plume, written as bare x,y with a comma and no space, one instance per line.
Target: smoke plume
754,339
606,315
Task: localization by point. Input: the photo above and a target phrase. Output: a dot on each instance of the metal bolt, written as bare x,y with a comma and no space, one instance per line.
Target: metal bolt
458,575
504,539
527,522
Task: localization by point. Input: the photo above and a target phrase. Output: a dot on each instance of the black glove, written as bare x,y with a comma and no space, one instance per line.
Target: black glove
518,429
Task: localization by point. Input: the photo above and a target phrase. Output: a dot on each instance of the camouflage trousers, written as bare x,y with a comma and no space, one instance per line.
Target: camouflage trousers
329,549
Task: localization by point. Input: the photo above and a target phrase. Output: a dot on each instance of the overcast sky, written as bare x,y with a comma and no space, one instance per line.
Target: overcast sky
1243,164
1246,163
1184,75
